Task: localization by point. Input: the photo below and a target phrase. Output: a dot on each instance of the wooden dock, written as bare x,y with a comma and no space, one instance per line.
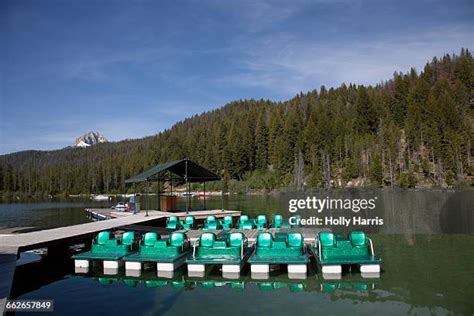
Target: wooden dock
58,239
104,213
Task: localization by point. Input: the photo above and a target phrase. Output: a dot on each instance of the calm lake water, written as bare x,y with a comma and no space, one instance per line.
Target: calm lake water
426,241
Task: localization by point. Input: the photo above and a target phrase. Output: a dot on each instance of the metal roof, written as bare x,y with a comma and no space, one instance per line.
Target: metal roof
195,172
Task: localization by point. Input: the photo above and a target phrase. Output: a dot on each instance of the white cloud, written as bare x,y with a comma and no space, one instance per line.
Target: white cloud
285,64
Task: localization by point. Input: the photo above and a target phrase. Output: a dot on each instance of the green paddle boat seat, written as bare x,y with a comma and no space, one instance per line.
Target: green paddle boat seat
188,223
227,223
150,239
173,223
212,223
245,222
277,221
128,238
103,237
261,222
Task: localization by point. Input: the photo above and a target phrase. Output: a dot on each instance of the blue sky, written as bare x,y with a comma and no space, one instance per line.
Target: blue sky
133,68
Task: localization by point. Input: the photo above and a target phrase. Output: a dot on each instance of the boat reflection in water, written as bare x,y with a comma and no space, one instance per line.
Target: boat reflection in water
181,279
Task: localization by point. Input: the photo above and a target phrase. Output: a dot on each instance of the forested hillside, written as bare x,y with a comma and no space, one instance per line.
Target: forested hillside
412,130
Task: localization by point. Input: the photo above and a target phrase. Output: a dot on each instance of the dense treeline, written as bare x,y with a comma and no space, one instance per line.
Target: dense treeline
415,129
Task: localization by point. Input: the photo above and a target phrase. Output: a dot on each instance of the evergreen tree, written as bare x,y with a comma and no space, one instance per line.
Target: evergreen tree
366,121
261,143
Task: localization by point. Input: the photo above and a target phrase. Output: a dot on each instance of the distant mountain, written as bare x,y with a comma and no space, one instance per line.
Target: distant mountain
90,139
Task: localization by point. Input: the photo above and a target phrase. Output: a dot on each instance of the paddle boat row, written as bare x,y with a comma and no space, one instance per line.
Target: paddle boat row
227,223
232,251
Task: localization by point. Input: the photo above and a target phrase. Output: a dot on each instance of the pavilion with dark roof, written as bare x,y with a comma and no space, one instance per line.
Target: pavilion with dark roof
176,172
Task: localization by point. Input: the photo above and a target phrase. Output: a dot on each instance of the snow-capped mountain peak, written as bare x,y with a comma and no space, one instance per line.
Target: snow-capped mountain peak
90,139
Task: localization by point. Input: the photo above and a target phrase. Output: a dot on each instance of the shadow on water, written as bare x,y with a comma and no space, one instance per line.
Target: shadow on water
457,213
33,276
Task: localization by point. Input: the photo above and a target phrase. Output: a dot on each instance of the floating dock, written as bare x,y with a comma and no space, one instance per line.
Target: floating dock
105,213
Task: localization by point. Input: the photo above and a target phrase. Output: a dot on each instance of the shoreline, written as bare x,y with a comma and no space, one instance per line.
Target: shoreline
18,196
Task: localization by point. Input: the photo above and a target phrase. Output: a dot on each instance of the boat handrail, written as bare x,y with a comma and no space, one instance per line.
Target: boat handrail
242,247
187,241
194,247
371,247
319,249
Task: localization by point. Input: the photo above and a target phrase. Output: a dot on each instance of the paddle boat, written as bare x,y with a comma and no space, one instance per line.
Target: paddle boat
231,250
284,248
333,250
100,197
108,249
120,207
168,254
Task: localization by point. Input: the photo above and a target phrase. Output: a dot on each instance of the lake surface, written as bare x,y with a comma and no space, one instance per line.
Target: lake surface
426,241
